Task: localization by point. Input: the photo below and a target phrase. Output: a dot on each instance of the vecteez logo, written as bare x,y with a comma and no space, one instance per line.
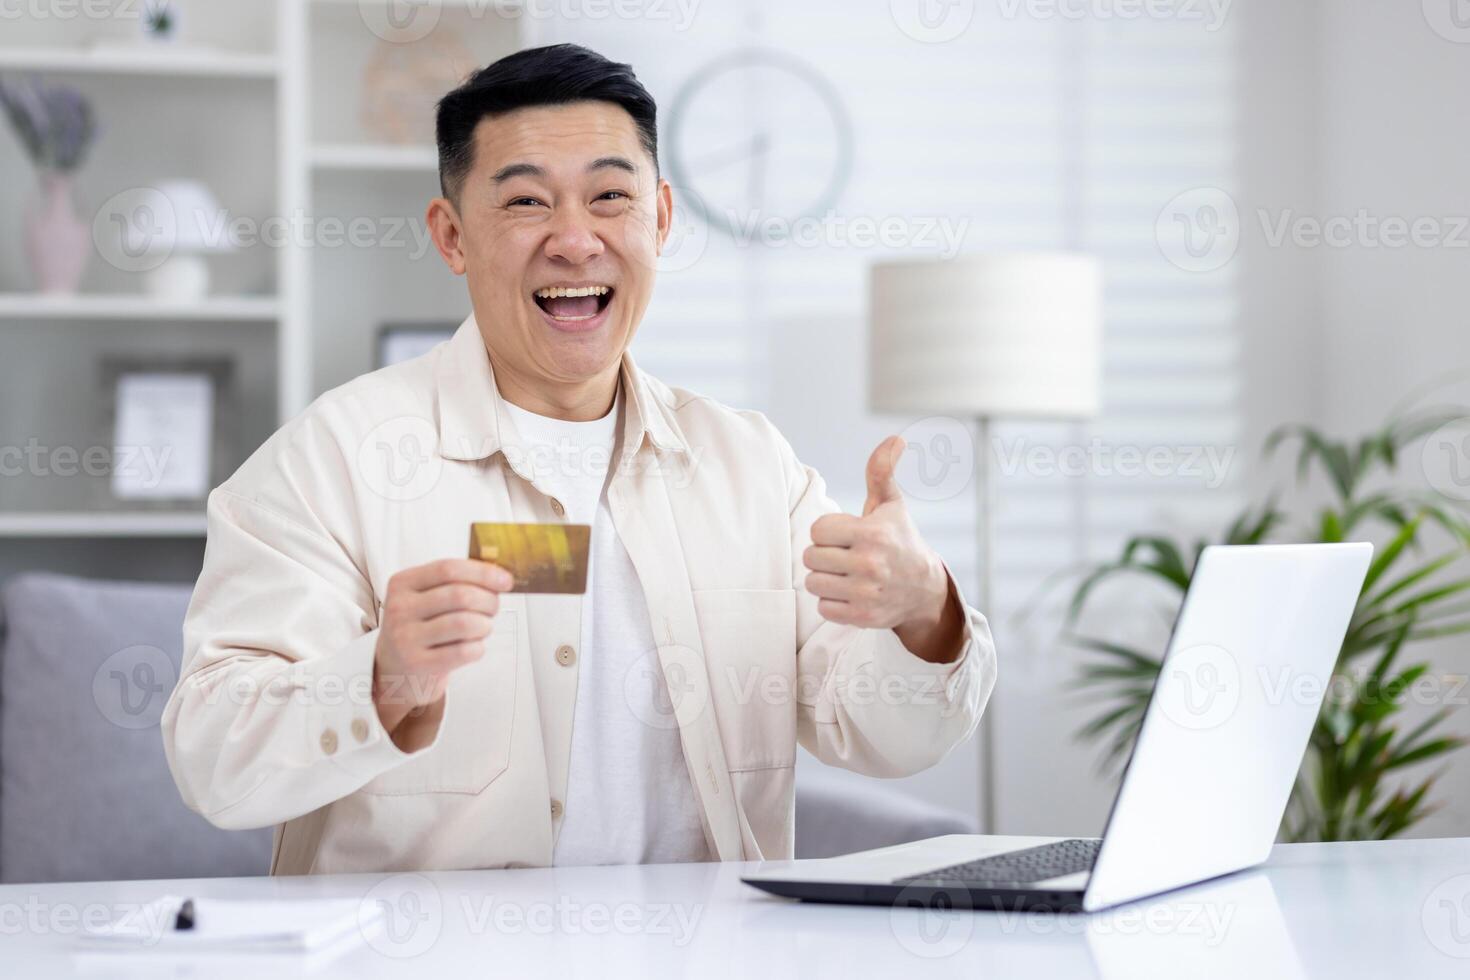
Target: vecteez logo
932,21
400,21
402,916
132,686
938,459
1450,19
1199,230
1199,687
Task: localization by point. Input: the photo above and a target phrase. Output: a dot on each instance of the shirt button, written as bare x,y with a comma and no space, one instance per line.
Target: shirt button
565,655
329,741
556,809
360,729
557,508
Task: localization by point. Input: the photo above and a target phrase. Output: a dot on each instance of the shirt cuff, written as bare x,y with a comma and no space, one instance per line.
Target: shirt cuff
977,652
342,720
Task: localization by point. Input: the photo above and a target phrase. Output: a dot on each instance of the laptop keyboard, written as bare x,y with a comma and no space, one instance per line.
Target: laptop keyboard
1033,864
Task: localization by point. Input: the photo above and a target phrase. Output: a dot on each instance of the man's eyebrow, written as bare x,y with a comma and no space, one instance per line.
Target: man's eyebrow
616,163
517,170
531,170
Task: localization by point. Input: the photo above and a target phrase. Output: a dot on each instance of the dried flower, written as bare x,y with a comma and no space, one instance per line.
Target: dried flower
54,123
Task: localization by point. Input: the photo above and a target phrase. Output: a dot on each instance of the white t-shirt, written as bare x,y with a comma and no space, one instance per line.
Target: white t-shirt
629,798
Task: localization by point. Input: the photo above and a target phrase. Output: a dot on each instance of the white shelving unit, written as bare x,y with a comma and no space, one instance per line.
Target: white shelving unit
97,307
374,157
226,55
142,61
95,524
298,67
337,165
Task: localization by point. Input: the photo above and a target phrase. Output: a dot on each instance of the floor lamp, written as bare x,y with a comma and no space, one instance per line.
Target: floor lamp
986,338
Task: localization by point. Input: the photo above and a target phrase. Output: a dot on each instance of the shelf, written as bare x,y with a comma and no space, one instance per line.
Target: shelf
470,6
145,60
39,306
101,524
369,157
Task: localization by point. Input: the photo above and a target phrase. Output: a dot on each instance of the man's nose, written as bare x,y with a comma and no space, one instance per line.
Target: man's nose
573,239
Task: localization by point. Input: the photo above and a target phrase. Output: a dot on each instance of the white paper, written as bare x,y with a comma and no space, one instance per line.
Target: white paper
162,440
224,924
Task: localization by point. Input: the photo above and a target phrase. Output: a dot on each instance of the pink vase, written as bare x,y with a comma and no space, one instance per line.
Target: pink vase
57,241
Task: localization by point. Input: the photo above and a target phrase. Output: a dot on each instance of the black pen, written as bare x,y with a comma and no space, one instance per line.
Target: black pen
184,921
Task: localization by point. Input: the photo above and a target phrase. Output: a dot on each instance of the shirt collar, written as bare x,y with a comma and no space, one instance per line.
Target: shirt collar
473,421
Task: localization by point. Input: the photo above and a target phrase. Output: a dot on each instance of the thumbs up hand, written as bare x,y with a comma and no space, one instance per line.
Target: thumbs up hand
875,571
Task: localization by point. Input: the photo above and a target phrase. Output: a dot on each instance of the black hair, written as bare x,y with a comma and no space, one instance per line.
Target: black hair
554,75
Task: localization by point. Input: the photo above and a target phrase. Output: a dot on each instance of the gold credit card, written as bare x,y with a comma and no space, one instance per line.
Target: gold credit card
541,557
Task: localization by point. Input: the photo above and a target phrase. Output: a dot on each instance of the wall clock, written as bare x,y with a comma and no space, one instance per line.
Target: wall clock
758,142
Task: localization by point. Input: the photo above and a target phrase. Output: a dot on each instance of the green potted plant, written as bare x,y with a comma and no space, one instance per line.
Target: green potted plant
1350,785
160,21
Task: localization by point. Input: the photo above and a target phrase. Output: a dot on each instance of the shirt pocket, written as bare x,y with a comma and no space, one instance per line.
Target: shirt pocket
749,638
473,747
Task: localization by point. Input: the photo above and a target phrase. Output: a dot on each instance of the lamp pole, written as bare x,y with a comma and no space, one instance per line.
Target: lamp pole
984,573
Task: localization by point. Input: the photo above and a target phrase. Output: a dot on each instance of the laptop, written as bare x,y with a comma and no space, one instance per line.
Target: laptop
1248,663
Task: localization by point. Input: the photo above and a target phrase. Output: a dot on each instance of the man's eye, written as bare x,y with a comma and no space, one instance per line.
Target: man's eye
522,201
613,196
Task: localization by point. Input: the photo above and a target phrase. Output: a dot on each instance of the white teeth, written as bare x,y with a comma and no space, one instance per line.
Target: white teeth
558,292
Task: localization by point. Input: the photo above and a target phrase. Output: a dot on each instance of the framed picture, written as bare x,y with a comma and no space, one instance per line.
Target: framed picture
170,423
398,342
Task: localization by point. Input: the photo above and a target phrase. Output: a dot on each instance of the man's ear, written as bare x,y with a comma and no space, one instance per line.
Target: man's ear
665,213
444,227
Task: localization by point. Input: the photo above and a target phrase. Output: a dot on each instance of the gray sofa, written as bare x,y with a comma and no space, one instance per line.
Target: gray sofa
85,794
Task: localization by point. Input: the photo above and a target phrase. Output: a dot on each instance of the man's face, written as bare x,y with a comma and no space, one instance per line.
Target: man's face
558,227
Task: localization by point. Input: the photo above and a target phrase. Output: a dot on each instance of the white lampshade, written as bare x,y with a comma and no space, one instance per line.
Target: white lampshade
996,336
179,217
171,225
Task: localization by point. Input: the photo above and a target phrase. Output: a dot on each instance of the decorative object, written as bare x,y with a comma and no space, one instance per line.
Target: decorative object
57,240
403,82
169,420
160,21
981,338
1415,591
729,161
398,342
55,125
190,224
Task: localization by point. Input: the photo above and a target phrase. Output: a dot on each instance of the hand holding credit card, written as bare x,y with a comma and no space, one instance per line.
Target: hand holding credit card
540,557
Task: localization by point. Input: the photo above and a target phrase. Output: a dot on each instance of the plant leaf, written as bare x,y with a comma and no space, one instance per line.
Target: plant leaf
1391,552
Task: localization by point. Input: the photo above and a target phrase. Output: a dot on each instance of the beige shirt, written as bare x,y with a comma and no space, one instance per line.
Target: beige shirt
272,721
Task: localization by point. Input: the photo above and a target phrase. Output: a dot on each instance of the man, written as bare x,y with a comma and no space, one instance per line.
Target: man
388,704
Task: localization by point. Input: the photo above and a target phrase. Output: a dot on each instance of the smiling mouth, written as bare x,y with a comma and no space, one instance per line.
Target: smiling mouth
573,304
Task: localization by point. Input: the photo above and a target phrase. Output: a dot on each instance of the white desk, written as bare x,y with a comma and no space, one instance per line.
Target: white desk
1398,910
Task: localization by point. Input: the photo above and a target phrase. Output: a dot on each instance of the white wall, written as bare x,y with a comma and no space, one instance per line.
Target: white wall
1280,321
1395,140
